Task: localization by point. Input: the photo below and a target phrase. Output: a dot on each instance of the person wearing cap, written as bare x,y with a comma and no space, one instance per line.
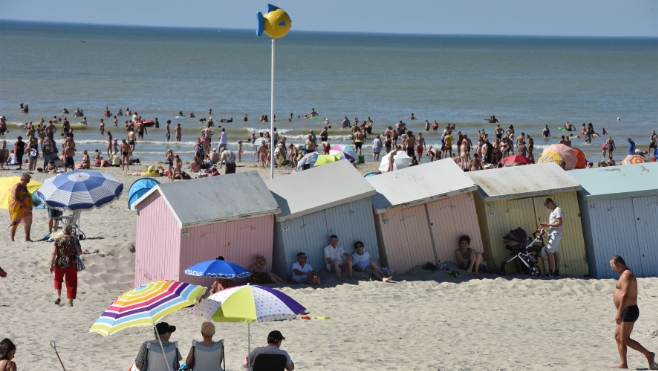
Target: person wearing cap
164,331
274,340
214,156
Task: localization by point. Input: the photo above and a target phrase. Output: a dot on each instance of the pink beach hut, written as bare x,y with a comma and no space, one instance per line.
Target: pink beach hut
420,213
183,223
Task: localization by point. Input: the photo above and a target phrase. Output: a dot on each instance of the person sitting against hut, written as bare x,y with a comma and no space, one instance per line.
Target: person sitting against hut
302,272
467,257
362,263
220,283
337,259
258,274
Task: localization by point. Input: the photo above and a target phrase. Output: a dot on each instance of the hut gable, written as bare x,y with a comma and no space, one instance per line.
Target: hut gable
523,181
299,195
618,181
216,199
418,185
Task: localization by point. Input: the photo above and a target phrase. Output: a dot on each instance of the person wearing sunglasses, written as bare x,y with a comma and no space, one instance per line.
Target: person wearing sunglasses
362,263
302,272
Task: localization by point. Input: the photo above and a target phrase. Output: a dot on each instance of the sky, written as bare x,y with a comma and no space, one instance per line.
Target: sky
615,18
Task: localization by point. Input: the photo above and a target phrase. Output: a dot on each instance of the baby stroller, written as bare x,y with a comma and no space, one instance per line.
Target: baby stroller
522,249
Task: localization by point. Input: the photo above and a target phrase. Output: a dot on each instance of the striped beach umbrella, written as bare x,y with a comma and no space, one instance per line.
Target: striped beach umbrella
633,159
79,190
348,152
250,303
146,304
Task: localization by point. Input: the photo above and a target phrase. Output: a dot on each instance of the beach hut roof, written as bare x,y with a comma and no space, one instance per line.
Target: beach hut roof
618,181
216,199
523,181
318,189
419,185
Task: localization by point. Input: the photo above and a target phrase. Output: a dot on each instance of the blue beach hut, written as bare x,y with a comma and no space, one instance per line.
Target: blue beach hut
139,189
619,209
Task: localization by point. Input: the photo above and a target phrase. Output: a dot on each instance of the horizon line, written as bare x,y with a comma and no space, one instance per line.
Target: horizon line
322,32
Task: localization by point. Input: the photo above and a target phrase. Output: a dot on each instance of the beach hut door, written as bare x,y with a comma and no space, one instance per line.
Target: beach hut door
646,220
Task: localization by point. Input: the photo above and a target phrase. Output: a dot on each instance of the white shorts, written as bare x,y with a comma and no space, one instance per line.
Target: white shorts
553,245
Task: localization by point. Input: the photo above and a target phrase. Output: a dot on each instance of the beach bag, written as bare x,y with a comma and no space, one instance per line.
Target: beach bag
81,264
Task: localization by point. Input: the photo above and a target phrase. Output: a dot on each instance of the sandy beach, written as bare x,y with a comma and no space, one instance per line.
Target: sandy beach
423,321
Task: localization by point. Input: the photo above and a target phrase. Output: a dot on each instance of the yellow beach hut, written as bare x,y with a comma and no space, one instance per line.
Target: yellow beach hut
513,197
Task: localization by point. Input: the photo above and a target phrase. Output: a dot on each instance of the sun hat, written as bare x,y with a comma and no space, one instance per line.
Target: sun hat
163,328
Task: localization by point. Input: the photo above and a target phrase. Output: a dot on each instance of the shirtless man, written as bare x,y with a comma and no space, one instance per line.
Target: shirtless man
313,113
167,131
125,155
420,146
412,117
66,126
610,144
463,153
358,140
101,127
625,299
391,158
50,128
411,144
475,163
69,152
116,122
310,144
131,141
140,129
177,131
207,134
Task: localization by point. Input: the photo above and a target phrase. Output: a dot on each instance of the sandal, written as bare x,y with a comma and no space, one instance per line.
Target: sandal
58,301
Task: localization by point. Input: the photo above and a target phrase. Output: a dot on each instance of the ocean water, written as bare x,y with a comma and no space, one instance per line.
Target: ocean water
527,82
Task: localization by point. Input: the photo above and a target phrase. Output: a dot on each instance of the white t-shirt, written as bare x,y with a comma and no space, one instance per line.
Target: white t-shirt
305,269
361,261
223,139
555,214
337,253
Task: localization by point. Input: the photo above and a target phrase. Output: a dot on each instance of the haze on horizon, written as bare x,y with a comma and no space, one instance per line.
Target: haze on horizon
605,18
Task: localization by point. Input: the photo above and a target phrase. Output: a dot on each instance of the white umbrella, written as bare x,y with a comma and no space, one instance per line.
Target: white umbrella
401,161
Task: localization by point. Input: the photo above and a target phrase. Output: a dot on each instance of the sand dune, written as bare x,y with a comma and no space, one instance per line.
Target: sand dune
424,321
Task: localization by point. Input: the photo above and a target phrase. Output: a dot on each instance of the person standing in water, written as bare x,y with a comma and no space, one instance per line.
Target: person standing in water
625,299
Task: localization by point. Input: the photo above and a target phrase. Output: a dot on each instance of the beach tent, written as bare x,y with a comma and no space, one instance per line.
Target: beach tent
420,213
139,188
513,197
182,223
316,203
6,184
619,209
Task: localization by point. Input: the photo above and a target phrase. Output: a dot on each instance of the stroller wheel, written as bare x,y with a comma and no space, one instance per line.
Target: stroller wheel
534,271
502,269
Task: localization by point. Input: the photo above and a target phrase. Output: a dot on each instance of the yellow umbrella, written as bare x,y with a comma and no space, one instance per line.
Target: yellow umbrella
6,184
327,159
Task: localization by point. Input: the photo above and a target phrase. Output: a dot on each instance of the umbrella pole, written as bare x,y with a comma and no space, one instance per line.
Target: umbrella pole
248,337
155,331
272,118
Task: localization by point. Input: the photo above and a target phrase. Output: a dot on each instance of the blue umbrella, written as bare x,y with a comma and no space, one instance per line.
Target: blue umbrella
79,190
217,269
139,189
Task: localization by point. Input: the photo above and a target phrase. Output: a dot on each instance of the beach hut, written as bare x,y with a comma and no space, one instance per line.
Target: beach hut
316,203
420,213
183,223
513,197
619,208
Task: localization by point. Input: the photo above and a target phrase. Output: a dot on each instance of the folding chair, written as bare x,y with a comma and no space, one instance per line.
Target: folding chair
208,358
73,220
270,362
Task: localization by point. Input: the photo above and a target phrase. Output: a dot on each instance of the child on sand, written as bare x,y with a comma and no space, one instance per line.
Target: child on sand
258,274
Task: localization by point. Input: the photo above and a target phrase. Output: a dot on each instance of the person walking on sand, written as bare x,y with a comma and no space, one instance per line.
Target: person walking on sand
20,208
337,259
125,155
555,222
109,144
64,264
625,299
610,145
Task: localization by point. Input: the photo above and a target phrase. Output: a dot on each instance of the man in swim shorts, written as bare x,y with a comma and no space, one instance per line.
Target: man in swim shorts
358,140
555,221
411,143
625,299
125,155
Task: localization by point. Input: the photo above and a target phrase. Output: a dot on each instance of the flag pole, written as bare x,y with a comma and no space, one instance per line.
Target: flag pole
272,118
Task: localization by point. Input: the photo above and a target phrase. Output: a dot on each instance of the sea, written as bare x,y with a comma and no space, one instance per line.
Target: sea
527,82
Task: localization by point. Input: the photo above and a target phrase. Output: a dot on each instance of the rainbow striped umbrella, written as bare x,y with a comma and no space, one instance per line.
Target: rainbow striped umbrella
146,304
250,303
633,159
